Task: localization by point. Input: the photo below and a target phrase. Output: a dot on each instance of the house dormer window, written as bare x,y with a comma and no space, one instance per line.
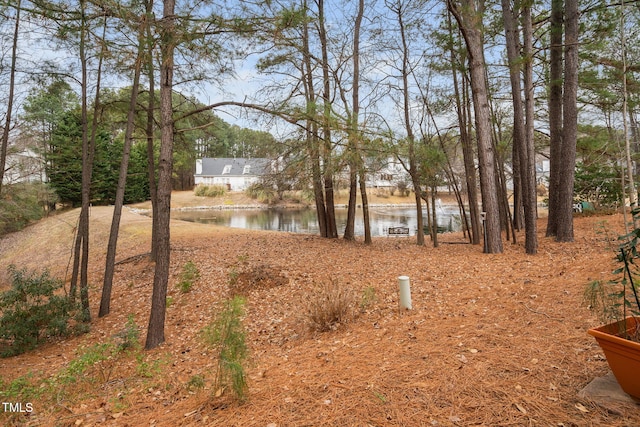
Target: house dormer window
246,170
226,170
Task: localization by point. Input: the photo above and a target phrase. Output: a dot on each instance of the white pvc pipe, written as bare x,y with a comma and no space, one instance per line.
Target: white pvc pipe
405,292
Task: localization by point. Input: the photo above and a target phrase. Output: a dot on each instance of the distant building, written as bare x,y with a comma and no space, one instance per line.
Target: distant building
24,166
235,174
386,174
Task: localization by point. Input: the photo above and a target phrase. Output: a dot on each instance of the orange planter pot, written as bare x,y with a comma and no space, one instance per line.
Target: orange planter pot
623,355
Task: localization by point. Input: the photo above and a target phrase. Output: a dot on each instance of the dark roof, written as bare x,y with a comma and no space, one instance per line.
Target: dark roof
216,166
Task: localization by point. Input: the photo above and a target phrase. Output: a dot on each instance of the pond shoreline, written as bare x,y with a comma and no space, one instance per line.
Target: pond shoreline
304,219
144,211
187,201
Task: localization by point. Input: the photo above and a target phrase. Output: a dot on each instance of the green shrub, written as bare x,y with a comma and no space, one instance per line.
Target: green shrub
128,337
598,184
22,388
147,369
196,382
210,190
32,310
189,274
226,333
100,360
21,204
99,357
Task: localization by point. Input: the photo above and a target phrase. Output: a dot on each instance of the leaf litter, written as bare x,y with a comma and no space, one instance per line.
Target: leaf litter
477,348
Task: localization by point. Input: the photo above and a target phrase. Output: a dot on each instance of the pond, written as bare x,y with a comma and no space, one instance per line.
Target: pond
306,221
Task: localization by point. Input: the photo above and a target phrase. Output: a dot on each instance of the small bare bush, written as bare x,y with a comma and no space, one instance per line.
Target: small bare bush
330,306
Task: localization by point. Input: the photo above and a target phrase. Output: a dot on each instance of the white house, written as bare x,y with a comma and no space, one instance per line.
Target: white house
24,166
234,173
387,174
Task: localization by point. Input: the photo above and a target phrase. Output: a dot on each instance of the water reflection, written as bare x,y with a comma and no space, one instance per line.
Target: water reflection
305,220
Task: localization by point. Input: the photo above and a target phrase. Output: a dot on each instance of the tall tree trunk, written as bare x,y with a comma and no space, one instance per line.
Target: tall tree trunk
555,112
313,140
12,83
413,163
105,301
564,232
469,18
365,208
528,170
633,194
434,217
506,219
151,167
461,103
313,147
518,207
513,56
83,222
353,149
75,269
355,126
150,127
350,225
635,135
155,332
417,192
521,138
327,153
87,178
81,254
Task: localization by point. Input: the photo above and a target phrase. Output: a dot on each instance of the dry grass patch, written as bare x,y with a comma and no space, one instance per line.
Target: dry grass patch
330,305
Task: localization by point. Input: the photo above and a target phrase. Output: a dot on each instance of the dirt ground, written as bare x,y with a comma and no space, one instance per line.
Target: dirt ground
495,340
